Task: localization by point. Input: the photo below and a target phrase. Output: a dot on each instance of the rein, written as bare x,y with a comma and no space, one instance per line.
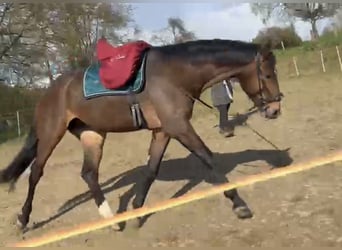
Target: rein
201,101
215,80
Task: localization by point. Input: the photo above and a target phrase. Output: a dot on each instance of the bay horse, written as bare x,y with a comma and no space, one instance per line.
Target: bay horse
176,75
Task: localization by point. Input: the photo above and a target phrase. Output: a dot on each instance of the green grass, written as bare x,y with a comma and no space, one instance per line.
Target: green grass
8,135
308,62
308,56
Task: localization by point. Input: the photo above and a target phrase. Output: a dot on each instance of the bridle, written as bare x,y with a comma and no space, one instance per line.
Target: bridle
262,100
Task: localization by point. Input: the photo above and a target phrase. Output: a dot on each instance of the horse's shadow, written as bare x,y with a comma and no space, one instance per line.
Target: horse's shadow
189,168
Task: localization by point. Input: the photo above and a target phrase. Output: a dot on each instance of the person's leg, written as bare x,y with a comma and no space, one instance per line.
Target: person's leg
223,114
224,127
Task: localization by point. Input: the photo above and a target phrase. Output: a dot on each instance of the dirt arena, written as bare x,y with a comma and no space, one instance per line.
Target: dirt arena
298,210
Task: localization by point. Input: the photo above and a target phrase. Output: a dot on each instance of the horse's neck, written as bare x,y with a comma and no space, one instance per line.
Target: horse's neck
224,73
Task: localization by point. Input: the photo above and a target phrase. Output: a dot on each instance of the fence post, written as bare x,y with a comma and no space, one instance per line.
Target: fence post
339,57
282,45
18,123
295,64
322,61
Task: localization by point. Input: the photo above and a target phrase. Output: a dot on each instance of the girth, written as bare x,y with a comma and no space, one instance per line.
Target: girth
137,115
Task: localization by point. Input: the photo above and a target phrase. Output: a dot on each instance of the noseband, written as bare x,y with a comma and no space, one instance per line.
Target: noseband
261,81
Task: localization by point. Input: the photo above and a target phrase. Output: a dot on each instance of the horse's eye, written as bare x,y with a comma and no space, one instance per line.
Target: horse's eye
268,76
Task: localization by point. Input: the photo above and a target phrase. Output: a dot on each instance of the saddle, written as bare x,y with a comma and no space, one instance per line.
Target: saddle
118,65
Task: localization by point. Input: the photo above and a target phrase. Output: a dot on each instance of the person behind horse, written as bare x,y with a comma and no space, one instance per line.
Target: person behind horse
222,97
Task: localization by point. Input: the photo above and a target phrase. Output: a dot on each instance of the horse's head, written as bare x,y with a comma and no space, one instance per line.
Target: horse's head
260,83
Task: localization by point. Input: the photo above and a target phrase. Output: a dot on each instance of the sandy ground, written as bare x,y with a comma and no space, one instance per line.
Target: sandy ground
299,210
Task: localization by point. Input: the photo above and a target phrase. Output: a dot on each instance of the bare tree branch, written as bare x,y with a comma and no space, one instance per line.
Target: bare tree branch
175,32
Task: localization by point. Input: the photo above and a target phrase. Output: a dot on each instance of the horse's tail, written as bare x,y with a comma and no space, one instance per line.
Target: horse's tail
22,160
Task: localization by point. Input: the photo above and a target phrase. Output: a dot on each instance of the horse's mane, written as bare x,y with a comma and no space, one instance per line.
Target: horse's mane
220,51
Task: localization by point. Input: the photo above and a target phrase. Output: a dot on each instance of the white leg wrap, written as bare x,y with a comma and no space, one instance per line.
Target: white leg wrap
105,210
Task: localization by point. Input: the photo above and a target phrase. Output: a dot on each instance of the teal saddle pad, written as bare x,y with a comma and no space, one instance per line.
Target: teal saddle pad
93,87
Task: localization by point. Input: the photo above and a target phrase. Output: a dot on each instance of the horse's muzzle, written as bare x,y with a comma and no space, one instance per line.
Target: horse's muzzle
272,110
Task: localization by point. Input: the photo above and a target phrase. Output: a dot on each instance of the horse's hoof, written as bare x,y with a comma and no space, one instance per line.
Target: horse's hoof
133,225
22,227
227,131
243,212
115,227
131,229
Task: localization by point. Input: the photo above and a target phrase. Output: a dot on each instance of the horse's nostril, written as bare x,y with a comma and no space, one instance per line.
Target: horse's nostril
276,112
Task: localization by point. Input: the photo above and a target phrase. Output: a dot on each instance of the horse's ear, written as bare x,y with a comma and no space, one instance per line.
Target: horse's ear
266,49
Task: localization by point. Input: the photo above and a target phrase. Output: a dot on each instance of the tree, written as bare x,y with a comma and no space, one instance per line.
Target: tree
268,11
36,37
174,32
312,12
20,43
71,30
307,12
178,30
275,36
338,19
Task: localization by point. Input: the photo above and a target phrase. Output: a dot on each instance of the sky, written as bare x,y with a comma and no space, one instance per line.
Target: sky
207,20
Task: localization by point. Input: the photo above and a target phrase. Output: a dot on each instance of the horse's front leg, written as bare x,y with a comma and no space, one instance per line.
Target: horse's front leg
158,145
186,135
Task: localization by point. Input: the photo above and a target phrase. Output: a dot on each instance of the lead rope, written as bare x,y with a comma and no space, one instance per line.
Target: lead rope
261,136
244,123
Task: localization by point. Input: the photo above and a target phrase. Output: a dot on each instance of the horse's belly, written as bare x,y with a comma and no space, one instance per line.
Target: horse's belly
115,116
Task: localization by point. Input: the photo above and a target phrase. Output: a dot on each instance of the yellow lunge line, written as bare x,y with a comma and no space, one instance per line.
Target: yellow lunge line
92,226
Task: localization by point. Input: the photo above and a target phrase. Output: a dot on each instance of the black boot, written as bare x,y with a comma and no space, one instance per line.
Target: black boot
227,131
225,128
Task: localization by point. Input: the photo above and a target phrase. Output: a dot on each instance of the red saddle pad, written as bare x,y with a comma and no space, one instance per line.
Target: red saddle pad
118,64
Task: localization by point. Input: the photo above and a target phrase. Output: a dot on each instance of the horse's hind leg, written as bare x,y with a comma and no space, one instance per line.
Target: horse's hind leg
187,136
92,143
48,137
